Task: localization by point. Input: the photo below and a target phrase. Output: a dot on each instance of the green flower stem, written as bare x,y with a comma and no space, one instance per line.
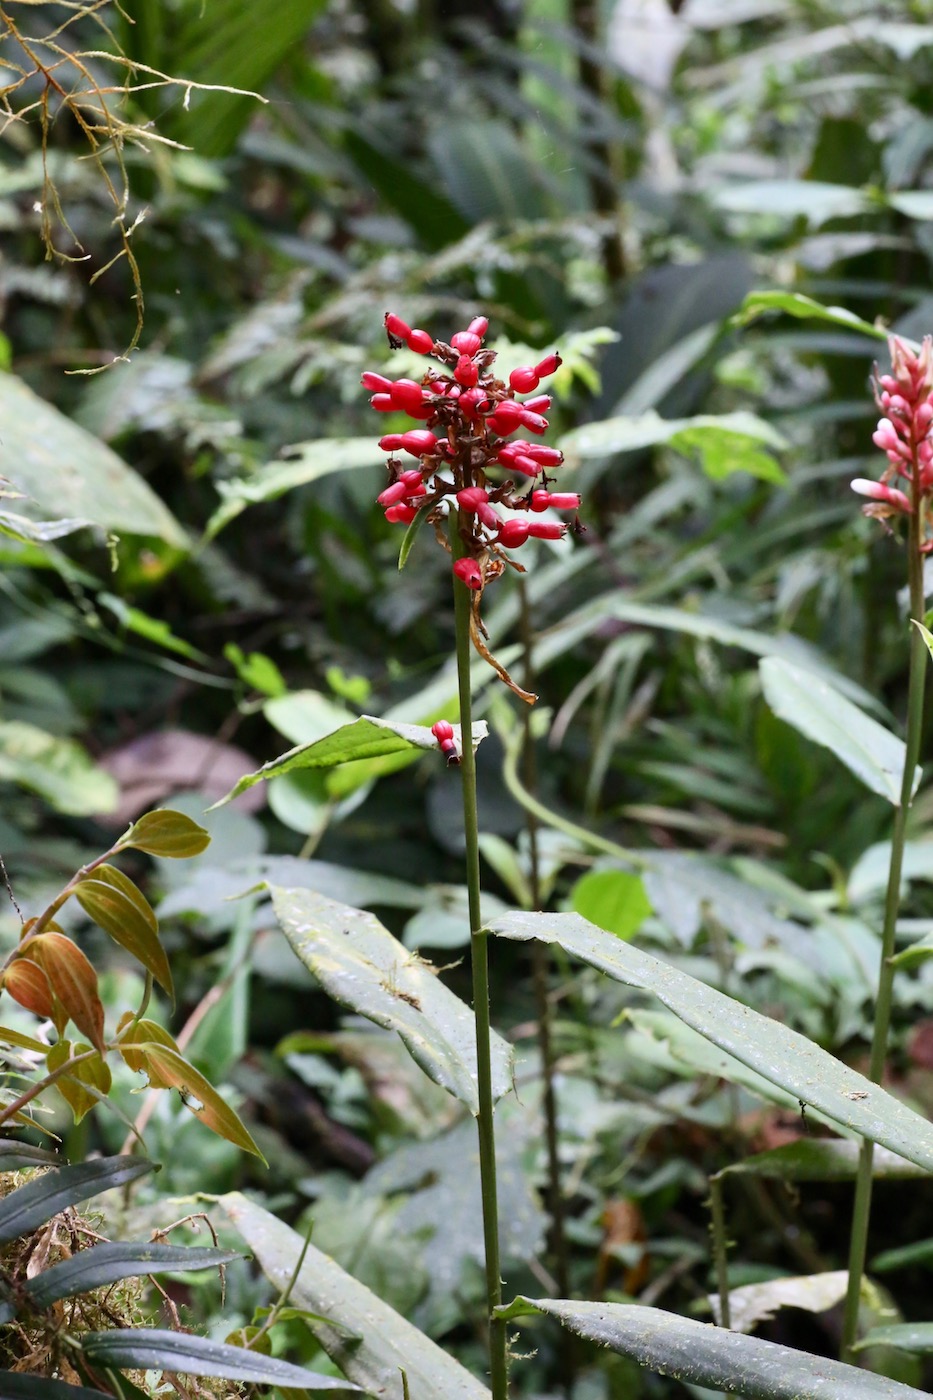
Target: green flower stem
479,955
861,1209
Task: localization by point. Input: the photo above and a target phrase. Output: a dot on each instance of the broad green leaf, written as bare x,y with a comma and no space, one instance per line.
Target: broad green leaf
93,1073
112,900
906,1336
613,900
14,1156
166,833
198,1095
366,737
723,452
154,629
59,770
804,308
39,531
630,434
104,1264
309,462
697,1353
906,1256
367,1339
34,1204
756,1302
15,1385
364,968
70,473
916,204
810,705
157,1349
773,1050
812,200
821,1159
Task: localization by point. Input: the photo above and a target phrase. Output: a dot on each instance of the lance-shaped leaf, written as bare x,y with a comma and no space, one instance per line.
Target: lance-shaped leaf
84,1077
779,1054
821,1159
198,1095
73,980
366,737
156,1349
366,969
28,985
805,309
24,1042
14,1156
811,705
367,1339
697,1353
906,1336
104,1264
135,1034
166,833
113,901
34,1204
14,1385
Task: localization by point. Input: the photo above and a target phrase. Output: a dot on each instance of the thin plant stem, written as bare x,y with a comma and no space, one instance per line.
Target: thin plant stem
861,1210
720,1246
479,955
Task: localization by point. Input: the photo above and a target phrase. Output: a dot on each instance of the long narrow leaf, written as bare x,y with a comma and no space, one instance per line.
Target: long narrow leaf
34,1204
103,1264
157,1349
16,1386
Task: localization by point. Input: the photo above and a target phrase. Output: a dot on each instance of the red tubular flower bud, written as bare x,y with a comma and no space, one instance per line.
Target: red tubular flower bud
396,328
534,422
509,451
557,500
544,456
382,403
420,342
466,342
540,404
488,515
466,372
406,395
526,465
419,441
446,741
513,533
546,530
401,514
877,491
392,442
506,418
478,326
524,379
393,494
470,401
471,497
412,479
469,573
375,383
547,366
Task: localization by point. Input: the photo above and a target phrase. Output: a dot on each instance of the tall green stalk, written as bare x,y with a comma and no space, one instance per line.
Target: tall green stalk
479,955
861,1210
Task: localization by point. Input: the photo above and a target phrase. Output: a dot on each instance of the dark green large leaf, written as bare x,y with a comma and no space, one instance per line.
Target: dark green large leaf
14,1156
156,1349
776,1052
103,1264
697,1353
66,471
368,1340
16,1386
364,968
30,1206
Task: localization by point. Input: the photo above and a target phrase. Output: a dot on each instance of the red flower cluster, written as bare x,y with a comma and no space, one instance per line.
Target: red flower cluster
905,397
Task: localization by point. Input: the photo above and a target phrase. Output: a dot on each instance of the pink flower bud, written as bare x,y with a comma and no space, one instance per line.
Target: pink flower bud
382,403
508,452
466,372
375,383
471,497
396,329
923,418
524,379
547,366
487,515
478,326
546,530
412,479
544,456
469,573
506,418
419,441
466,342
393,494
534,422
446,741
420,342
392,442
526,465
513,533
558,500
406,395
401,514
540,404
877,491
